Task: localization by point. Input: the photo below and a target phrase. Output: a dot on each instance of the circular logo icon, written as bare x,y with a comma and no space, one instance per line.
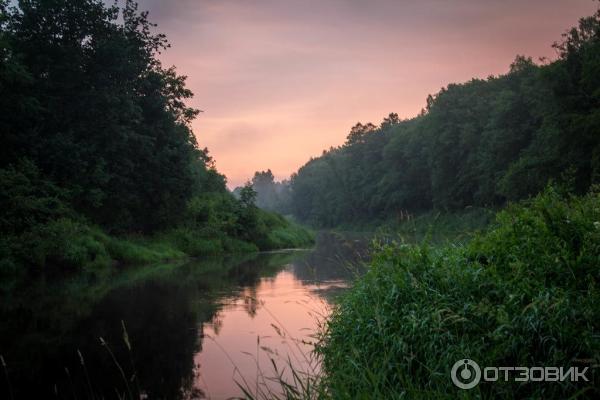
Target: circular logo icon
465,374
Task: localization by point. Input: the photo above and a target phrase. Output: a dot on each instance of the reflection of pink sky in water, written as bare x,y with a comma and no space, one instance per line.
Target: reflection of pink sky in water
284,302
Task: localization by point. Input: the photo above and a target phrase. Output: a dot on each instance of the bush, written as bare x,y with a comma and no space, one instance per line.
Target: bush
291,236
41,230
217,222
523,294
38,226
133,250
62,242
193,243
27,200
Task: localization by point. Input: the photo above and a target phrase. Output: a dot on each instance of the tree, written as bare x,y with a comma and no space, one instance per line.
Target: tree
91,105
479,143
248,196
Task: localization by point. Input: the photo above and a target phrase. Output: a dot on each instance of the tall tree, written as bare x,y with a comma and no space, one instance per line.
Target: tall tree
97,112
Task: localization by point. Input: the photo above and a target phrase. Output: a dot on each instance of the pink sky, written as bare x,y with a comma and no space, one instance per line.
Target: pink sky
281,80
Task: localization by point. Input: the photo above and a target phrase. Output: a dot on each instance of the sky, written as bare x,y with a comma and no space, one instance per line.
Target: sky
279,81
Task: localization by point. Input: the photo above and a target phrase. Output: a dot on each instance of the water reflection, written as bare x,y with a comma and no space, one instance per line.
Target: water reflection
194,328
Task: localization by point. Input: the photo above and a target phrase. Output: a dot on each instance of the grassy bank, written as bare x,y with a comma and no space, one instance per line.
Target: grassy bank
273,232
435,225
41,229
73,245
525,293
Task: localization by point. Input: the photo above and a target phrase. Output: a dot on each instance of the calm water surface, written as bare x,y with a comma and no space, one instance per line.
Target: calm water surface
192,330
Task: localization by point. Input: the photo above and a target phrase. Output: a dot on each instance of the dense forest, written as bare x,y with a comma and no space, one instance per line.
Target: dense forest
96,141
521,292
480,143
99,168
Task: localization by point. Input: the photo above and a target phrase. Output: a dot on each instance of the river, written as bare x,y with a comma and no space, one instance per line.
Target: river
195,329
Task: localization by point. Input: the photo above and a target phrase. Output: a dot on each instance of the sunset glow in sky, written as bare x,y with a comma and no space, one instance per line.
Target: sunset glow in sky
281,80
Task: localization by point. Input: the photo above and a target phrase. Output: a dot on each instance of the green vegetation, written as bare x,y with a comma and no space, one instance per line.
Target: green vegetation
523,294
476,144
98,161
42,230
99,166
437,226
48,324
271,195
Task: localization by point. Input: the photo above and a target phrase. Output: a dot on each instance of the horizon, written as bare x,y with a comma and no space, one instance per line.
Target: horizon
279,83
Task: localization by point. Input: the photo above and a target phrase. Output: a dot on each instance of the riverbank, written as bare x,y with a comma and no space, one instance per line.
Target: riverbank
43,230
522,293
435,226
180,318
184,242
84,246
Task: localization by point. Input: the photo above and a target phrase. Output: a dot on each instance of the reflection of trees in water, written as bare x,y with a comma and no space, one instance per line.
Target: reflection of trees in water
216,323
164,309
335,257
163,328
44,327
251,302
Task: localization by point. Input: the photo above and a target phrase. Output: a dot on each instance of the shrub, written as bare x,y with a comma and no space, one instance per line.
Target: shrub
523,294
192,242
41,230
63,242
38,226
133,250
27,200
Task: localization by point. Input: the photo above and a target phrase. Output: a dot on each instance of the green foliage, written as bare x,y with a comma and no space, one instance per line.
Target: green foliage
96,137
132,250
41,231
523,294
231,225
65,243
89,103
37,224
438,227
28,200
270,194
481,143
193,242
278,233
52,241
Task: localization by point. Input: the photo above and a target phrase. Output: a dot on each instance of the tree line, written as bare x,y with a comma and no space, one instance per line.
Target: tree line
97,132
85,100
480,143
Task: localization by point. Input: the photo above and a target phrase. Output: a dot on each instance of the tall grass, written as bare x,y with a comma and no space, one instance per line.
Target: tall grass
74,246
7,377
523,294
456,225
295,375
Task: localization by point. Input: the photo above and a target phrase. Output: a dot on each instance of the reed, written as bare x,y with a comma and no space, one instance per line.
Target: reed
118,366
87,375
524,293
8,384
